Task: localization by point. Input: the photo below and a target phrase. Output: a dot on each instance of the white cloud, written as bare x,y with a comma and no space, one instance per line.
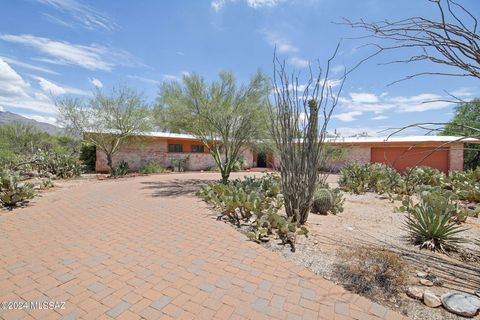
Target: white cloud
143,79
83,14
369,102
217,5
347,116
363,97
353,131
95,82
27,65
92,57
298,62
282,44
56,90
263,3
380,117
11,83
2,109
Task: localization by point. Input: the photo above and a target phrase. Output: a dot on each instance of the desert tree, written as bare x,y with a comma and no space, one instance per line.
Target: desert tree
299,118
223,115
107,121
451,40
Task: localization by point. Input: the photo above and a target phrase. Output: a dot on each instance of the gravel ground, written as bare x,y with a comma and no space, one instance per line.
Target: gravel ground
370,220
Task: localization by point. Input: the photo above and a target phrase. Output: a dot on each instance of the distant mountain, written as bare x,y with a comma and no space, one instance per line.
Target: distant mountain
7,117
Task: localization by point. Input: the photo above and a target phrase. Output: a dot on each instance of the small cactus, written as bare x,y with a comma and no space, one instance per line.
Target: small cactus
323,201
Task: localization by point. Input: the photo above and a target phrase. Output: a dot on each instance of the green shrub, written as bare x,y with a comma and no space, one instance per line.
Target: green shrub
372,272
121,168
13,191
60,165
433,228
152,167
180,164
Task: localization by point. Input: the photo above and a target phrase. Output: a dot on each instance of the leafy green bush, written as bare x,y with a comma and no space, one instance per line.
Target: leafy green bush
433,228
372,272
60,165
121,168
152,167
13,191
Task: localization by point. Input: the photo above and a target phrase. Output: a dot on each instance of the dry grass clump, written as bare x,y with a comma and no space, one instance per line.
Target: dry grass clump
372,272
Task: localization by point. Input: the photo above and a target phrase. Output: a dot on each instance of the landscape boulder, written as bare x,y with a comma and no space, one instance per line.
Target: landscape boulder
463,304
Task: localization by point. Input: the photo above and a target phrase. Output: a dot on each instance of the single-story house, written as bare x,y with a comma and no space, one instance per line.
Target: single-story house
442,152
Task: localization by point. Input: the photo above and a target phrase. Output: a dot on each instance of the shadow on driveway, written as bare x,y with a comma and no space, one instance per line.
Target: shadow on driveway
175,188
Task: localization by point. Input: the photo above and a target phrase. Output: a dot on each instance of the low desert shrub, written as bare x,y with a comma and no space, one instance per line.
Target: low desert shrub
465,184
372,272
121,168
180,164
433,227
425,176
152,167
13,191
254,202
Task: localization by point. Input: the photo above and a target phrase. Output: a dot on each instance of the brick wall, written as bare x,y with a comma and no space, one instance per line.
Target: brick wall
156,149
456,157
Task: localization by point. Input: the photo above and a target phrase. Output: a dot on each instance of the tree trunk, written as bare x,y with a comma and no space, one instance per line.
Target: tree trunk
110,164
225,175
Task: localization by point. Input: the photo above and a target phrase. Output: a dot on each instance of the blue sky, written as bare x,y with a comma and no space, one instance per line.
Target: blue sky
52,48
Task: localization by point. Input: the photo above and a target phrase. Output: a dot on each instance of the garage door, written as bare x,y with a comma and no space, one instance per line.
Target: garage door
402,158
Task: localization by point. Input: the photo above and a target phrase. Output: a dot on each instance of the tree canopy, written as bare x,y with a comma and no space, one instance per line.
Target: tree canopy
466,122
222,114
107,121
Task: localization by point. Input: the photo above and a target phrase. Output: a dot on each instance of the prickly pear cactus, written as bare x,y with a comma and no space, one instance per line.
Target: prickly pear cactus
323,201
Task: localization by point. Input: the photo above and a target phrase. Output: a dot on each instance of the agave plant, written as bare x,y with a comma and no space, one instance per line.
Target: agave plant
433,230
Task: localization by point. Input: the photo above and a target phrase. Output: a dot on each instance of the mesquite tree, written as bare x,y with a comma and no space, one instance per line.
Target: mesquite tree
299,119
107,121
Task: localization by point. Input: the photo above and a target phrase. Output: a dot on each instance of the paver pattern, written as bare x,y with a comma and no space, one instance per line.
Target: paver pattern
147,248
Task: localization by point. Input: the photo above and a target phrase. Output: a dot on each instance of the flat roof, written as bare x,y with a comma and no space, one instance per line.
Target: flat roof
366,140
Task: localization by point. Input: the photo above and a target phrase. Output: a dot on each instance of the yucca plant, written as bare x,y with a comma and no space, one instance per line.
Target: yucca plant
433,230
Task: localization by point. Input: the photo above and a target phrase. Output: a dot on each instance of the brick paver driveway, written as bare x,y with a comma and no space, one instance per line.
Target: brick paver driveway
146,247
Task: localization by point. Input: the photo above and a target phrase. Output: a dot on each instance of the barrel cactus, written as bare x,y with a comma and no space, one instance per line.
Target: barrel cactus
323,201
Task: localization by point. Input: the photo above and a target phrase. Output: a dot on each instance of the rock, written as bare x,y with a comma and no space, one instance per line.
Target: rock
422,274
438,282
463,304
477,293
426,282
415,293
315,241
431,300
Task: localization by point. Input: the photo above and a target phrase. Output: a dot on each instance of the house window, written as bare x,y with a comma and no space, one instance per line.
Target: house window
197,148
175,147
